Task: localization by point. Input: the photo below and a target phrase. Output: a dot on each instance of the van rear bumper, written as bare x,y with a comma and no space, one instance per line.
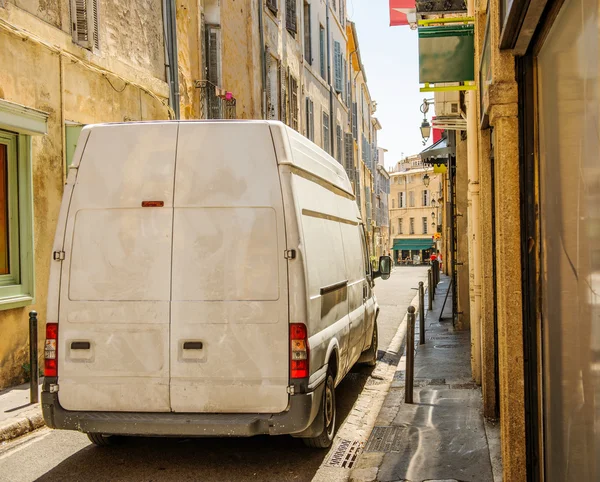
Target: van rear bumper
298,419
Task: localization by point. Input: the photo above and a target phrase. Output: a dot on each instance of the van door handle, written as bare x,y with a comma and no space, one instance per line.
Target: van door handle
365,291
80,345
192,345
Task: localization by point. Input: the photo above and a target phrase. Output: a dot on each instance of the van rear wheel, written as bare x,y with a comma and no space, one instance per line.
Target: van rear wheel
329,413
101,440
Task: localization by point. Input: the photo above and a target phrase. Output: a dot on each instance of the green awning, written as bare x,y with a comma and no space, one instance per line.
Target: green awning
414,244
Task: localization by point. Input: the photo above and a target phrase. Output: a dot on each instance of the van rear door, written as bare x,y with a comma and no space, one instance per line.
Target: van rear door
229,318
116,276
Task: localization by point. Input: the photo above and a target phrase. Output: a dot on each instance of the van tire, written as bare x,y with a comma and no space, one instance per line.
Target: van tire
369,356
101,440
329,412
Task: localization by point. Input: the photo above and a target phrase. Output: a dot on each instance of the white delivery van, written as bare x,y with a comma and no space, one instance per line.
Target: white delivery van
208,279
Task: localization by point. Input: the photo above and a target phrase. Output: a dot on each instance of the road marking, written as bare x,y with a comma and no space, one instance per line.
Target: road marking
361,419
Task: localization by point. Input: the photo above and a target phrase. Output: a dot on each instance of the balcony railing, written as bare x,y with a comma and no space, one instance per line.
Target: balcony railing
216,103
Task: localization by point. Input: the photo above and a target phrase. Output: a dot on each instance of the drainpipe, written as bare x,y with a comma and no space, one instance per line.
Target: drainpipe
171,66
475,264
331,88
263,60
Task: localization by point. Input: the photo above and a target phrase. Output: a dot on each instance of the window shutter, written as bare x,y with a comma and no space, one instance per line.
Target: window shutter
339,145
344,80
272,4
293,94
349,150
214,58
322,50
290,16
307,34
355,120
310,119
343,13
326,139
85,23
337,55
283,108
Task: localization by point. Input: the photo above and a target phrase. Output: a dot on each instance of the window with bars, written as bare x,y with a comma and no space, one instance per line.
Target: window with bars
293,95
310,119
425,197
291,17
272,4
85,23
307,34
401,200
424,225
412,226
326,139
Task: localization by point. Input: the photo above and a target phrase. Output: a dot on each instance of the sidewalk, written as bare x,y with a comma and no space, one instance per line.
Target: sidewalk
442,435
17,415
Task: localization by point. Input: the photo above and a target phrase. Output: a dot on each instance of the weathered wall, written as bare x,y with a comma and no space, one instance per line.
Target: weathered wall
241,72
189,57
462,235
503,118
66,91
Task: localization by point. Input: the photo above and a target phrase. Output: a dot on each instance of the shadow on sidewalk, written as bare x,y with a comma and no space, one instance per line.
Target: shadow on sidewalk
442,434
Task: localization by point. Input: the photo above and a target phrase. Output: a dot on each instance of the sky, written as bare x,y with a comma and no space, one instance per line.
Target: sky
390,57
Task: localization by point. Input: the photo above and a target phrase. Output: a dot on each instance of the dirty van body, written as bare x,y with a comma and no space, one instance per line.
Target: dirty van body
208,279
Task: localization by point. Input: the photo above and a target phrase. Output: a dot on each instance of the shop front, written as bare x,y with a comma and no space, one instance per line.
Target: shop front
558,77
412,251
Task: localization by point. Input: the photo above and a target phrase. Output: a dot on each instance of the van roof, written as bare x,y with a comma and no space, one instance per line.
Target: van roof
293,148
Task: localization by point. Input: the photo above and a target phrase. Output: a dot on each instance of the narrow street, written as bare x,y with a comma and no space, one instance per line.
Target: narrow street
52,455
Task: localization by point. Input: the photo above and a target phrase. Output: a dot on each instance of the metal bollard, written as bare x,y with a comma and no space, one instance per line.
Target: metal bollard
421,313
410,356
430,289
436,274
33,357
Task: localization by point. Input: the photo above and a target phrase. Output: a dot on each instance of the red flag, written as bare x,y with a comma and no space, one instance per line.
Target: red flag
398,11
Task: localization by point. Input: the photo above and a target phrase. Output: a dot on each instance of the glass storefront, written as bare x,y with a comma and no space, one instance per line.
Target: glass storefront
569,183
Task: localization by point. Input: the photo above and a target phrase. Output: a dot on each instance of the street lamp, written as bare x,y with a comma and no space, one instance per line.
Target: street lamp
425,125
425,130
432,215
426,180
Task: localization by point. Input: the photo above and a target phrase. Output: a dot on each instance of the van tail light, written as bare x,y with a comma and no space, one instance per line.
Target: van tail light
51,350
299,350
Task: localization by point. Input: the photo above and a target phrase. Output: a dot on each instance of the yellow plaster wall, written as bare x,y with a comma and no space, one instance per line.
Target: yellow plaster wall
33,76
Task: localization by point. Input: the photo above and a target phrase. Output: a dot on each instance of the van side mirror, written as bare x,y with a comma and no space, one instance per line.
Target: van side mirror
385,268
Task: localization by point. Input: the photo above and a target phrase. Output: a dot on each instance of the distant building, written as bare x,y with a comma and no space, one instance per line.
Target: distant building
414,210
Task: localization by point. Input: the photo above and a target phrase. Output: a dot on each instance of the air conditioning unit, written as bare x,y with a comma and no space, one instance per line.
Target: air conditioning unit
447,104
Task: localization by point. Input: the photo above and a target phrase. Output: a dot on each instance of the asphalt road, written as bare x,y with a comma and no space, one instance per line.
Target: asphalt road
53,455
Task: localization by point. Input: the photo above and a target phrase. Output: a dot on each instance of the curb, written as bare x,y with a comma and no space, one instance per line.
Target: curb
363,416
26,422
